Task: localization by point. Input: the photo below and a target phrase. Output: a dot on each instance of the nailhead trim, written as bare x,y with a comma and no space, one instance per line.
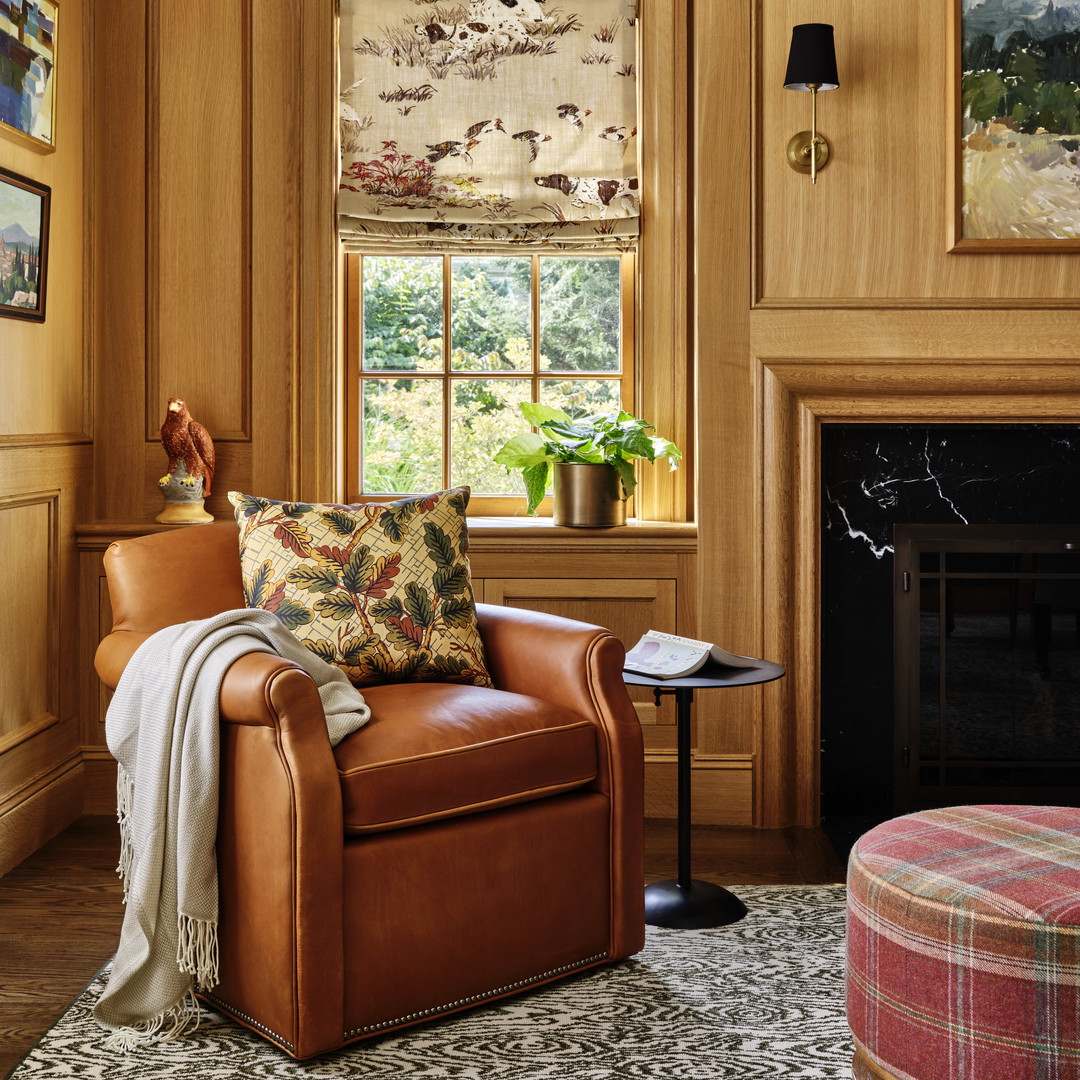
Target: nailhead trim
247,1019
475,998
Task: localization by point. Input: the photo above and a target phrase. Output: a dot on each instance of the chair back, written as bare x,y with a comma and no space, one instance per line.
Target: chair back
189,572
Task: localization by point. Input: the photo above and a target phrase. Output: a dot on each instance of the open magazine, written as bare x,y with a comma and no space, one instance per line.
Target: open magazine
666,656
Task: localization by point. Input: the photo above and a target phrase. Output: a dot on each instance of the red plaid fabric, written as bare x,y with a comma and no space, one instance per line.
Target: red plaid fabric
963,943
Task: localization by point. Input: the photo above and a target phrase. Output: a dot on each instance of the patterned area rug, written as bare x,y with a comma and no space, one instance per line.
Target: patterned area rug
761,998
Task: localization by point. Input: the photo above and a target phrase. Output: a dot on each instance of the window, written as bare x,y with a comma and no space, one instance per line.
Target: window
443,348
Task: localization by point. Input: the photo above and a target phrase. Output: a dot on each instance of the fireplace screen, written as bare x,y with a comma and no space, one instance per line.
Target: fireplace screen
987,664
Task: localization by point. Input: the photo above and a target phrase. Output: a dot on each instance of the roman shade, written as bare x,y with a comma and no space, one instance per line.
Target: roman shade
487,125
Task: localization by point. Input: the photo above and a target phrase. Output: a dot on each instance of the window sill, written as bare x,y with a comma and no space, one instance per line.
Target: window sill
492,533
485,534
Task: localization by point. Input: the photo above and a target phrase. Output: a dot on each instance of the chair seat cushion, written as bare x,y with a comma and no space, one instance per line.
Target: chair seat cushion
438,750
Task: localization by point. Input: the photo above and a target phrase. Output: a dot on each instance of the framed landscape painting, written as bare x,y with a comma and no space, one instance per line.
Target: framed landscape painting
1015,113
24,246
28,71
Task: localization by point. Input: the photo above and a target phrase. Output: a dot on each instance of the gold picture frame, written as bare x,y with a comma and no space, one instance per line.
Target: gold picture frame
28,73
1014,183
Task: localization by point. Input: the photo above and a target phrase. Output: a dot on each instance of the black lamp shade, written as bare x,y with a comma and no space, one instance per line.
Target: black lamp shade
812,58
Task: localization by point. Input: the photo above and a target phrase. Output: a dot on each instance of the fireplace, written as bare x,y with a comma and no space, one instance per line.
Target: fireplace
940,517
986,652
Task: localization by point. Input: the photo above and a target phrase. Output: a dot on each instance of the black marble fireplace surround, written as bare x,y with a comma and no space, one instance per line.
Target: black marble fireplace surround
874,476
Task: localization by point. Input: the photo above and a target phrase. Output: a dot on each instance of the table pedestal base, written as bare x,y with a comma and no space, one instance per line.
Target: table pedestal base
696,906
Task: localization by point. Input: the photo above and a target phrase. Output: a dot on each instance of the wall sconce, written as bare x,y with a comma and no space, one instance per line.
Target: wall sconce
811,66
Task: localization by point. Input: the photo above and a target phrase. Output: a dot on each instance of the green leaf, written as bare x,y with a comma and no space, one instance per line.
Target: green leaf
458,611
255,590
293,614
522,451
354,649
625,469
452,669
664,448
339,522
395,523
322,649
450,582
536,484
295,510
438,543
418,604
336,606
250,505
312,578
390,608
538,414
354,575
403,634
374,668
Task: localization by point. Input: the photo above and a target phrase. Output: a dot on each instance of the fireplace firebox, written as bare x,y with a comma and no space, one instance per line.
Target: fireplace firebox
874,477
986,650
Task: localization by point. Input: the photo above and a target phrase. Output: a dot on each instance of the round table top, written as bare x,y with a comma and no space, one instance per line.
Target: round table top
712,675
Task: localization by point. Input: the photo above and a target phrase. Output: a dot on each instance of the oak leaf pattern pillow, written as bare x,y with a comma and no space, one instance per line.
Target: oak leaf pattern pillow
382,590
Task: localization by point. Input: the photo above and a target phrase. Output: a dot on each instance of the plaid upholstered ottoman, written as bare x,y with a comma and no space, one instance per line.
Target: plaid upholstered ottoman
964,945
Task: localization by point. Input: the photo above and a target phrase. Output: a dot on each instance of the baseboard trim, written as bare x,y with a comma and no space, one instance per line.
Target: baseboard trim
49,807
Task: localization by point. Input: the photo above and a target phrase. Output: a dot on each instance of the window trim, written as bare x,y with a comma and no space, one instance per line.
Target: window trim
481,504
665,344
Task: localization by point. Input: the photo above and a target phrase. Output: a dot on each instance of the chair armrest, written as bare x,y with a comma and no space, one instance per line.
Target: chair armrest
245,696
572,664
280,847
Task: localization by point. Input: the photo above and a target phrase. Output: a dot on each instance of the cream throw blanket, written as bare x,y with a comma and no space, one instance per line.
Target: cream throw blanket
162,728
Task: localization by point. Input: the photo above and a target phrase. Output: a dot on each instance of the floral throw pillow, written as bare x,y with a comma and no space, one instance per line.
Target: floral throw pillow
382,590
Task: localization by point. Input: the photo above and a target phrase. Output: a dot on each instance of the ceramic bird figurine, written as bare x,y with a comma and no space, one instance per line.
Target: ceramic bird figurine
186,440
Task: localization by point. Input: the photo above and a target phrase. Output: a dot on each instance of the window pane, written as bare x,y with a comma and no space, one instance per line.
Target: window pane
483,415
491,305
402,440
581,397
402,313
579,314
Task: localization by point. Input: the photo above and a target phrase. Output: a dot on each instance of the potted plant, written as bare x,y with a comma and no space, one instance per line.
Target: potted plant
592,458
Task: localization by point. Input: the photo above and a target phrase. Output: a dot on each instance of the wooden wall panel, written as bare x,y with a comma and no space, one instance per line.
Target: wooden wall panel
215,207
119,257
28,641
199,346
835,302
45,367
46,424
874,227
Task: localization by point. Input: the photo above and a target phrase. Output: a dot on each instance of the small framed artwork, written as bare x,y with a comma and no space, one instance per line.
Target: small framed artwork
1014,112
24,245
28,72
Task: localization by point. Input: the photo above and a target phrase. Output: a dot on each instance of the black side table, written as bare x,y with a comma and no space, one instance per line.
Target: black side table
687,904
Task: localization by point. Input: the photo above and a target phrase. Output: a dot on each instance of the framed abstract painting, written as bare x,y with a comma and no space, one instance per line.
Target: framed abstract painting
28,72
24,246
1015,125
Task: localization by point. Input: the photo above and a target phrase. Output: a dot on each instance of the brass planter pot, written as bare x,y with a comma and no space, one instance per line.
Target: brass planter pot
588,496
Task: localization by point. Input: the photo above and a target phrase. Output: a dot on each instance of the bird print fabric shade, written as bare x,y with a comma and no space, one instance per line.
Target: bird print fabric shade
488,124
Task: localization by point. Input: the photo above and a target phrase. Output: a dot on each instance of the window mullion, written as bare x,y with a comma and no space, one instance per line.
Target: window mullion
447,383
534,316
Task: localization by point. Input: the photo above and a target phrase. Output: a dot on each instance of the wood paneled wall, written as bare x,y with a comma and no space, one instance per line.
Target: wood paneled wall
213,211
837,302
45,432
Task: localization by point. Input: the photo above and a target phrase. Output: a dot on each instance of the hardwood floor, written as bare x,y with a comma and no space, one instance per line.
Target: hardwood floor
60,910
60,914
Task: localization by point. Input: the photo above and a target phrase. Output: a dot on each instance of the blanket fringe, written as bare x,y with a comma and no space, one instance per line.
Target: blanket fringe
197,950
169,1025
125,797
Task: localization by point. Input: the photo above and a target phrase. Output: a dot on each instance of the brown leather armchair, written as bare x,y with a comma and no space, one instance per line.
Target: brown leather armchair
463,846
